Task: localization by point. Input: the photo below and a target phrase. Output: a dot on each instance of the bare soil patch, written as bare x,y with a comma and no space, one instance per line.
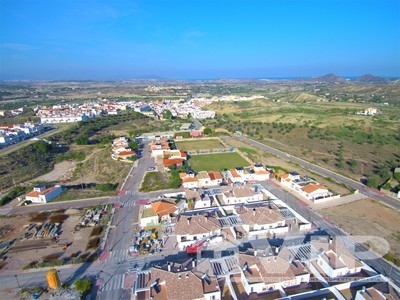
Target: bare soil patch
370,218
61,172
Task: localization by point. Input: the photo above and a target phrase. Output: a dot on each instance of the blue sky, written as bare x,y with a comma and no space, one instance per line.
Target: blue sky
88,39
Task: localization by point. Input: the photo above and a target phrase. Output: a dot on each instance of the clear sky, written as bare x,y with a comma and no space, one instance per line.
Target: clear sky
189,39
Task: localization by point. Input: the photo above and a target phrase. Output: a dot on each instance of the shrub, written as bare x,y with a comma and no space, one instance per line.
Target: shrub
106,187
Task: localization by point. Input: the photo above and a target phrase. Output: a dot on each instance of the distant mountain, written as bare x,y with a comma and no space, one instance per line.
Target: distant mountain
328,78
368,78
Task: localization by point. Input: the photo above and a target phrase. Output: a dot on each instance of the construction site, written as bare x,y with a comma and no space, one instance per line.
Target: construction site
50,238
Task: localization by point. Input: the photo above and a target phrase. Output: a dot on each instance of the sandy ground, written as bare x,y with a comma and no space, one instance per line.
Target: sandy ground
16,261
368,218
61,172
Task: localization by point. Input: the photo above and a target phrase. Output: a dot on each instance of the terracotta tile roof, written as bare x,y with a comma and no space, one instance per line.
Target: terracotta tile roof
272,269
126,153
182,175
198,224
310,188
284,176
183,154
162,208
261,172
261,216
170,162
177,286
189,179
234,173
215,175
33,194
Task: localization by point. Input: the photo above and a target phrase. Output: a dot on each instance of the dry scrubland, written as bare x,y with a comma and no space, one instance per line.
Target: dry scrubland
328,134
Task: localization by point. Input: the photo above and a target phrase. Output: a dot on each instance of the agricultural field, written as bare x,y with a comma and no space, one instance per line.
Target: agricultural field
199,144
369,218
217,162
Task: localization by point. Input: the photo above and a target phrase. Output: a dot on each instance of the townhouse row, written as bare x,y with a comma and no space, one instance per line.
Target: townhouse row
14,133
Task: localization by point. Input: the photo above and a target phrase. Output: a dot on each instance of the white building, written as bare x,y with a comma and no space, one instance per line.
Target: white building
41,194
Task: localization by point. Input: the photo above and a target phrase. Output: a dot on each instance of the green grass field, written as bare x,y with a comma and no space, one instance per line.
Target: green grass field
217,162
199,145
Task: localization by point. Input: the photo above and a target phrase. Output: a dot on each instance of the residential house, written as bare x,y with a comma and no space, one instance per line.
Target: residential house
260,172
167,163
160,284
240,194
190,229
315,192
262,220
337,261
158,146
41,194
262,274
164,209
215,177
189,180
204,179
200,200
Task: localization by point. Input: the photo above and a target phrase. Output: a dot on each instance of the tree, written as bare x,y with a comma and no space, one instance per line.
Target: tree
207,130
167,115
42,146
82,140
83,286
133,145
353,163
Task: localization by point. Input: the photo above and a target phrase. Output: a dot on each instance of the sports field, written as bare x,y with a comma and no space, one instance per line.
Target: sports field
217,162
199,144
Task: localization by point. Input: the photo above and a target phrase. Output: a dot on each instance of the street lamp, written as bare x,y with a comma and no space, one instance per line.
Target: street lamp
16,278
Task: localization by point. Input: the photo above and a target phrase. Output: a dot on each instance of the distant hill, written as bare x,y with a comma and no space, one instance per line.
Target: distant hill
368,78
302,97
328,78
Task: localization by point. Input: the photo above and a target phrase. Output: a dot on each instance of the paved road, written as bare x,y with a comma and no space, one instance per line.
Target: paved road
376,195
197,124
373,260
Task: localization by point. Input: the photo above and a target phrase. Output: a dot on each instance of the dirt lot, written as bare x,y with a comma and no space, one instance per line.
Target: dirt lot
368,217
61,172
24,251
270,160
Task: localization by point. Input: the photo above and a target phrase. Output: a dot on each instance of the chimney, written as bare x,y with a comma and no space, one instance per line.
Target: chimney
187,275
193,263
277,249
179,276
275,258
255,252
188,221
169,267
254,211
330,240
206,218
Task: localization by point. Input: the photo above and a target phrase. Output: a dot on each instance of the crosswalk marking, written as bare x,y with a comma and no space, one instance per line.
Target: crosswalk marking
118,255
129,204
115,283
